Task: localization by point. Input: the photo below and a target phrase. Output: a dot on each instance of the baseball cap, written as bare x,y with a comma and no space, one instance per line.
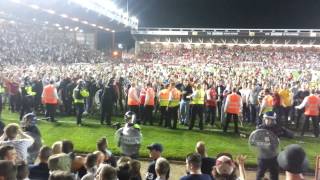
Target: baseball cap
293,159
155,146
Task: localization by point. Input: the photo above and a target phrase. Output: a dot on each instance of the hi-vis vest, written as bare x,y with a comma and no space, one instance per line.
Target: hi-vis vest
1,89
175,98
269,104
29,91
234,104
83,93
150,94
164,97
312,106
199,97
48,95
131,100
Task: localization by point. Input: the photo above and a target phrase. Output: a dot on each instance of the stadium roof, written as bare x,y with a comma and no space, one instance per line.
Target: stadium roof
85,14
219,36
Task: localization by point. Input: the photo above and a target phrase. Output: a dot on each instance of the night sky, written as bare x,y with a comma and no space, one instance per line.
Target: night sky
226,13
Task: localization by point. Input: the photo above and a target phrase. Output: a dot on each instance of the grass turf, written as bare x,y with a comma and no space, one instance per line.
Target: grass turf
177,143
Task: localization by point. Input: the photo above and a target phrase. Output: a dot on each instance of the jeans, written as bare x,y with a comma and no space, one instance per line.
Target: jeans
79,110
235,119
253,113
197,110
184,111
315,122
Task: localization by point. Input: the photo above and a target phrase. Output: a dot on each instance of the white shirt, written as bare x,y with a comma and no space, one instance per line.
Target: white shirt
21,146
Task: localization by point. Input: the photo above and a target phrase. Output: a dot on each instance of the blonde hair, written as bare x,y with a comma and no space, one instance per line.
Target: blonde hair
57,147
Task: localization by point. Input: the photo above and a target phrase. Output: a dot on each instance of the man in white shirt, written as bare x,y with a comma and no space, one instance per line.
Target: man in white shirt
15,137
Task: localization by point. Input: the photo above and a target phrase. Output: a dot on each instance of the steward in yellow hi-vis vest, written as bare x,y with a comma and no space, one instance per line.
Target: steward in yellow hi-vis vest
163,98
79,94
197,106
173,106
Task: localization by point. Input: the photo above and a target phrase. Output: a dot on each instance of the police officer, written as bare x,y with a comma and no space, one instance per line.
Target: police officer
79,95
129,137
108,98
27,95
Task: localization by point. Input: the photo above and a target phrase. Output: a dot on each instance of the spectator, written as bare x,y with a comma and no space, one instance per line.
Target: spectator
61,175
60,162
67,146
18,139
155,151
8,153
162,169
102,145
57,147
22,170
135,167
91,166
40,171
225,167
294,161
8,170
206,162
78,167
28,125
194,168
123,168
106,172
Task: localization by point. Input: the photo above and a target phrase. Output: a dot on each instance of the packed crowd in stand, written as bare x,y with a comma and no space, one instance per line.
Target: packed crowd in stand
271,88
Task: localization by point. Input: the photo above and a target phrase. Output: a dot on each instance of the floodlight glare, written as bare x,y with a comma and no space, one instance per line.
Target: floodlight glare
33,6
50,11
75,19
64,15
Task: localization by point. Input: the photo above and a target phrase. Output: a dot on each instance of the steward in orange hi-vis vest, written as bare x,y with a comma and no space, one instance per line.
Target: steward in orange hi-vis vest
232,108
50,99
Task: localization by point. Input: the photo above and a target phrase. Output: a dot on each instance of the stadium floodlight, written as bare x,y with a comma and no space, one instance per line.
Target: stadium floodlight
81,30
60,28
84,22
71,30
50,11
64,15
16,1
76,28
57,25
100,27
113,31
66,27
46,22
34,19
107,29
75,19
93,25
33,6
12,22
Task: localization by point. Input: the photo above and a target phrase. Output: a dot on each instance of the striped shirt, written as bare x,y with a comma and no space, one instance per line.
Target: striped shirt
21,146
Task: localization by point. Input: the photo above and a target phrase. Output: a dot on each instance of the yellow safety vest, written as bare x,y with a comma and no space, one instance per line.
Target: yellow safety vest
199,97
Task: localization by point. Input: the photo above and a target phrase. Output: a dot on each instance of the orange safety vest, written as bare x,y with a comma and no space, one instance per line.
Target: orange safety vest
48,95
164,97
312,106
132,101
150,93
234,104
